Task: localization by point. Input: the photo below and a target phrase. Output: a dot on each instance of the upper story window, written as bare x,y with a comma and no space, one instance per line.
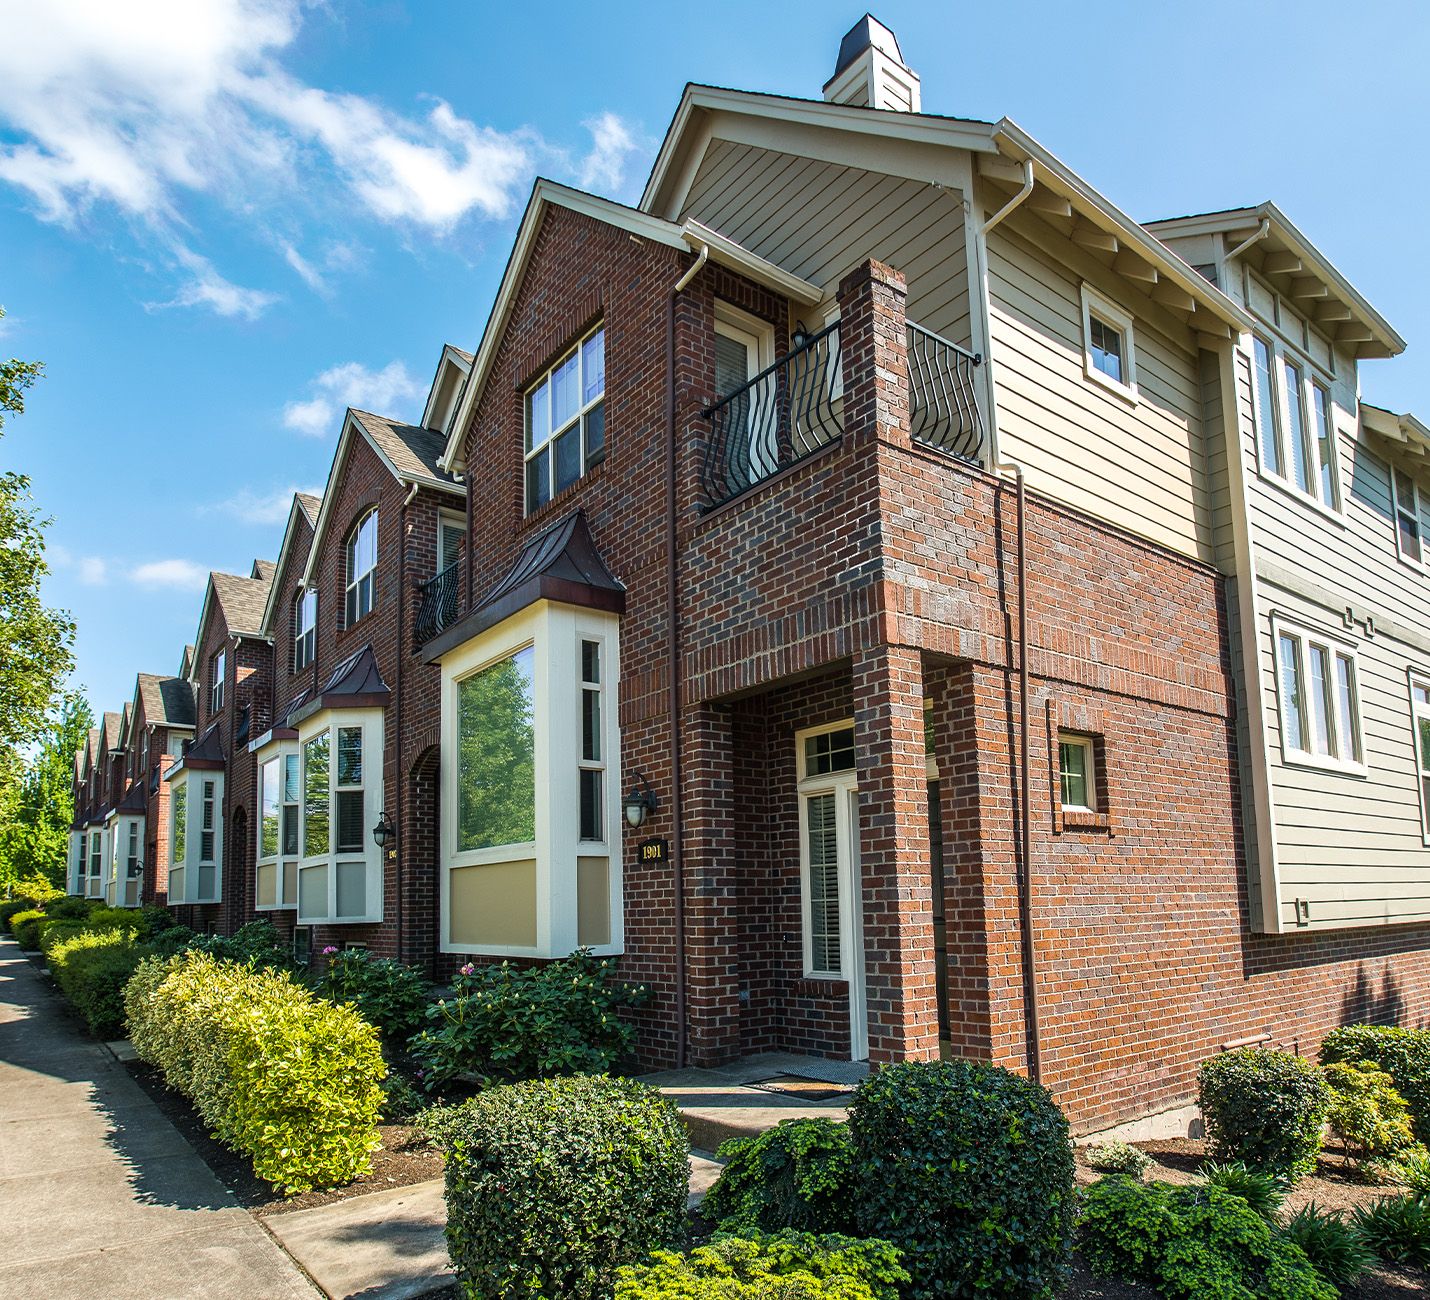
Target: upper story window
566,420
1420,723
1412,516
216,676
1109,357
1320,699
305,625
361,568
1077,772
1295,432
450,530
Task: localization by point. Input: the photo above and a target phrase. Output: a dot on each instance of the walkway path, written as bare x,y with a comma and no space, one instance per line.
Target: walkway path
99,1195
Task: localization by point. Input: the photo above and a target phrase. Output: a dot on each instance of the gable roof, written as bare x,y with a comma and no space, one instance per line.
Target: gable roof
310,504
167,701
547,194
109,731
302,514
1295,265
452,359
242,601
410,454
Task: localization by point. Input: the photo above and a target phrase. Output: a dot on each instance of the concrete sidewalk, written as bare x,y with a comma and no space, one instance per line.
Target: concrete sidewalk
100,1196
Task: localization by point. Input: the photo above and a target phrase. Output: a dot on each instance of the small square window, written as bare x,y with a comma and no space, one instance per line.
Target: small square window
1106,343
1077,772
829,751
1109,349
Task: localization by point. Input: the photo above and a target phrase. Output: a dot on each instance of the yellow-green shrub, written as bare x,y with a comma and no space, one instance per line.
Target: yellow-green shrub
288,1079
92,967
26,927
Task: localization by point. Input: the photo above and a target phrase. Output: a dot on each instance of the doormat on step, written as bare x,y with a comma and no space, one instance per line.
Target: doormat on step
794,1085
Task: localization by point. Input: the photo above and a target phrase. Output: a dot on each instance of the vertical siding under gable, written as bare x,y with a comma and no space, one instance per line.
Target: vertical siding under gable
819,221
1139,465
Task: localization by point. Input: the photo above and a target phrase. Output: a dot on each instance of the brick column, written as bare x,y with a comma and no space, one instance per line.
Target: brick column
873,344
894,854
711,888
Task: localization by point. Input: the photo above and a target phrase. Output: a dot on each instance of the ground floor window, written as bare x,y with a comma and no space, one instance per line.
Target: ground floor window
195,836
95,886
1320,698
340,799
531,818
77,862
276,872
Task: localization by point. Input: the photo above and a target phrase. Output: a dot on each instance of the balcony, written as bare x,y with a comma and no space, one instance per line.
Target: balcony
437,604
795,407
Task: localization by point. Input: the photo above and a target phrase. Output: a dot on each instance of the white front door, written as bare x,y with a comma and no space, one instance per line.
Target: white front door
831,886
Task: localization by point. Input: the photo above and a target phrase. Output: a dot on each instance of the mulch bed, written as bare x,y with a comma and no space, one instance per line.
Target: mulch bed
1333,1186
404,1157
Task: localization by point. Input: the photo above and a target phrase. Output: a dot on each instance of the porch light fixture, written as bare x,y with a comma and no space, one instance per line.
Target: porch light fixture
801,336
640,802
384,834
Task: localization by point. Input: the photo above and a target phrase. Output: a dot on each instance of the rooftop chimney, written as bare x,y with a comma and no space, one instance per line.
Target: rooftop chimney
871,73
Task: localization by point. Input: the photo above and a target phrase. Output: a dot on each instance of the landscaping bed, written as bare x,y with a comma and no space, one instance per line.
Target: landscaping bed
404,1158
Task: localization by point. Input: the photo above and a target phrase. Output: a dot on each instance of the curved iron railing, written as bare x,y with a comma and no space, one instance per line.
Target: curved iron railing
438,608
943,404
785,413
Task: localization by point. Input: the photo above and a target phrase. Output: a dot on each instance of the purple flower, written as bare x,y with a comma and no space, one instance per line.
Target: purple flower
468,969
329,950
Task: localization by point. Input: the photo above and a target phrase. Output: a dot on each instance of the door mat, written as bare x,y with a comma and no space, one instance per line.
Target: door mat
794,1085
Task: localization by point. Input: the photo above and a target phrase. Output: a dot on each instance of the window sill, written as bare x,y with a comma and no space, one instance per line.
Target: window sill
1285,485
1322,763
1127,392
820,986
1084,819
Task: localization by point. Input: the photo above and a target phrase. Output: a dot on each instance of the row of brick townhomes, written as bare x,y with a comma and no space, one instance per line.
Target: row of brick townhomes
892,599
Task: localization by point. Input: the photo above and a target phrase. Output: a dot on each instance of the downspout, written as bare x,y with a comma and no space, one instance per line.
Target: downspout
1025,800
672,616
401,655
1262,231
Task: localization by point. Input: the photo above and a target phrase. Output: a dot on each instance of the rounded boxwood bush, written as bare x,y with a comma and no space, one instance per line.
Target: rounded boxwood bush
554,1184
1404,1054
1264,1108
795,1175
968,1169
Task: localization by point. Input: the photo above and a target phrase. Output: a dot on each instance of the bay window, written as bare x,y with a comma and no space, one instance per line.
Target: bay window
339,867
77,870
531,818
1320,699
125,865
276,877
566,420
195,835
95,886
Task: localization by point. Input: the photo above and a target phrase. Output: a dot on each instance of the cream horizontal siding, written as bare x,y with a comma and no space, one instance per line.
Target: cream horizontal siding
1140,465
819,221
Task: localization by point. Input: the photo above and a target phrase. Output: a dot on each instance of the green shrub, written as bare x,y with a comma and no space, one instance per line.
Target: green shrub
278,1074
1263,1191
401,1102
968,1170
1118,1158
388,995
14,905
27,927
257,945
789,1266
1404,1054
1412,1169
92,968
506,1022
1264,1108
71,909
1336,1248
795,1175
1192,1243
1397,1228
554,1184
37,888
1367,1113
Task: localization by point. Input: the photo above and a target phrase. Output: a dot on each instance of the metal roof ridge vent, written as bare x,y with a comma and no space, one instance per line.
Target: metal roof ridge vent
870,71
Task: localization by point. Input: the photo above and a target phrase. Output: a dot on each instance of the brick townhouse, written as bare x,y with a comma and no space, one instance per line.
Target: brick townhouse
890,598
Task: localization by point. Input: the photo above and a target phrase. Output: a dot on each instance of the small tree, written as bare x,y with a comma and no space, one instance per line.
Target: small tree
37,809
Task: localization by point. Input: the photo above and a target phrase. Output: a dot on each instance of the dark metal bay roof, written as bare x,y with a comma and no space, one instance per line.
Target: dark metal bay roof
356,683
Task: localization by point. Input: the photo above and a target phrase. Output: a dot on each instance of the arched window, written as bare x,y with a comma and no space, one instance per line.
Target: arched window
362,566
305,623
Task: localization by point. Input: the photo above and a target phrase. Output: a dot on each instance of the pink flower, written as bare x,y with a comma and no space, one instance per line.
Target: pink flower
466,970
329,950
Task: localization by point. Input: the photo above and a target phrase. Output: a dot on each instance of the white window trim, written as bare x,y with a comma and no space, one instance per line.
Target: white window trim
1284,336
279,751
555,633
1335,645
579,419
302,634
117,892
372,722
353,579
79,867
1418,711
841,785
193,832
1094,304
218,670
1391,469
1088,745
448,520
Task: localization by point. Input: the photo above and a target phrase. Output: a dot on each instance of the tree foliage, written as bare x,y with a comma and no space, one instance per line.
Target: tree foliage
37,808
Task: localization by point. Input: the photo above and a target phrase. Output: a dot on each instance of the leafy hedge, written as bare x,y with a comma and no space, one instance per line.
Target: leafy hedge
277,1073
1404,1054
968,1169
795,1175
1192,1243
554,1184
390,996
92,968
26,927
789,1266
13,905
1265,1108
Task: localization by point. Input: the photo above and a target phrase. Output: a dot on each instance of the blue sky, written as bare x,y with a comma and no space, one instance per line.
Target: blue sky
223,220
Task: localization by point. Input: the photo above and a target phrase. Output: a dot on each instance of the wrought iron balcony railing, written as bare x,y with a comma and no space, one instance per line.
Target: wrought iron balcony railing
943,403
785,413
437,609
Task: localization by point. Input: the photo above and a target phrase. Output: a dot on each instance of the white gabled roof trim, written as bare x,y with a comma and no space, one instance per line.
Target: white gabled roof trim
265,628
643,225
450,357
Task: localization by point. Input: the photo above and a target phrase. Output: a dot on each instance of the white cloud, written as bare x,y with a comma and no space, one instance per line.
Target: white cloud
612,142
336,257
386,392
179,575
262,507
91,570
205,287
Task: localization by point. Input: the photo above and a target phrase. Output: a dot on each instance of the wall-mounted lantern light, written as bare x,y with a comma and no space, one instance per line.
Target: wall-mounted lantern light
384,834
640,802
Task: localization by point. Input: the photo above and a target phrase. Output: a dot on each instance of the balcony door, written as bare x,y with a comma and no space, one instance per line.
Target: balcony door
744,347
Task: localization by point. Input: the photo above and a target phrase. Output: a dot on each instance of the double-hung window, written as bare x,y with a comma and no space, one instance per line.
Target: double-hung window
1320,699
1295,429
96,864
339,871
195,836
566,420
277,867
217,671
1420,721
305,624
361,553
1412,516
